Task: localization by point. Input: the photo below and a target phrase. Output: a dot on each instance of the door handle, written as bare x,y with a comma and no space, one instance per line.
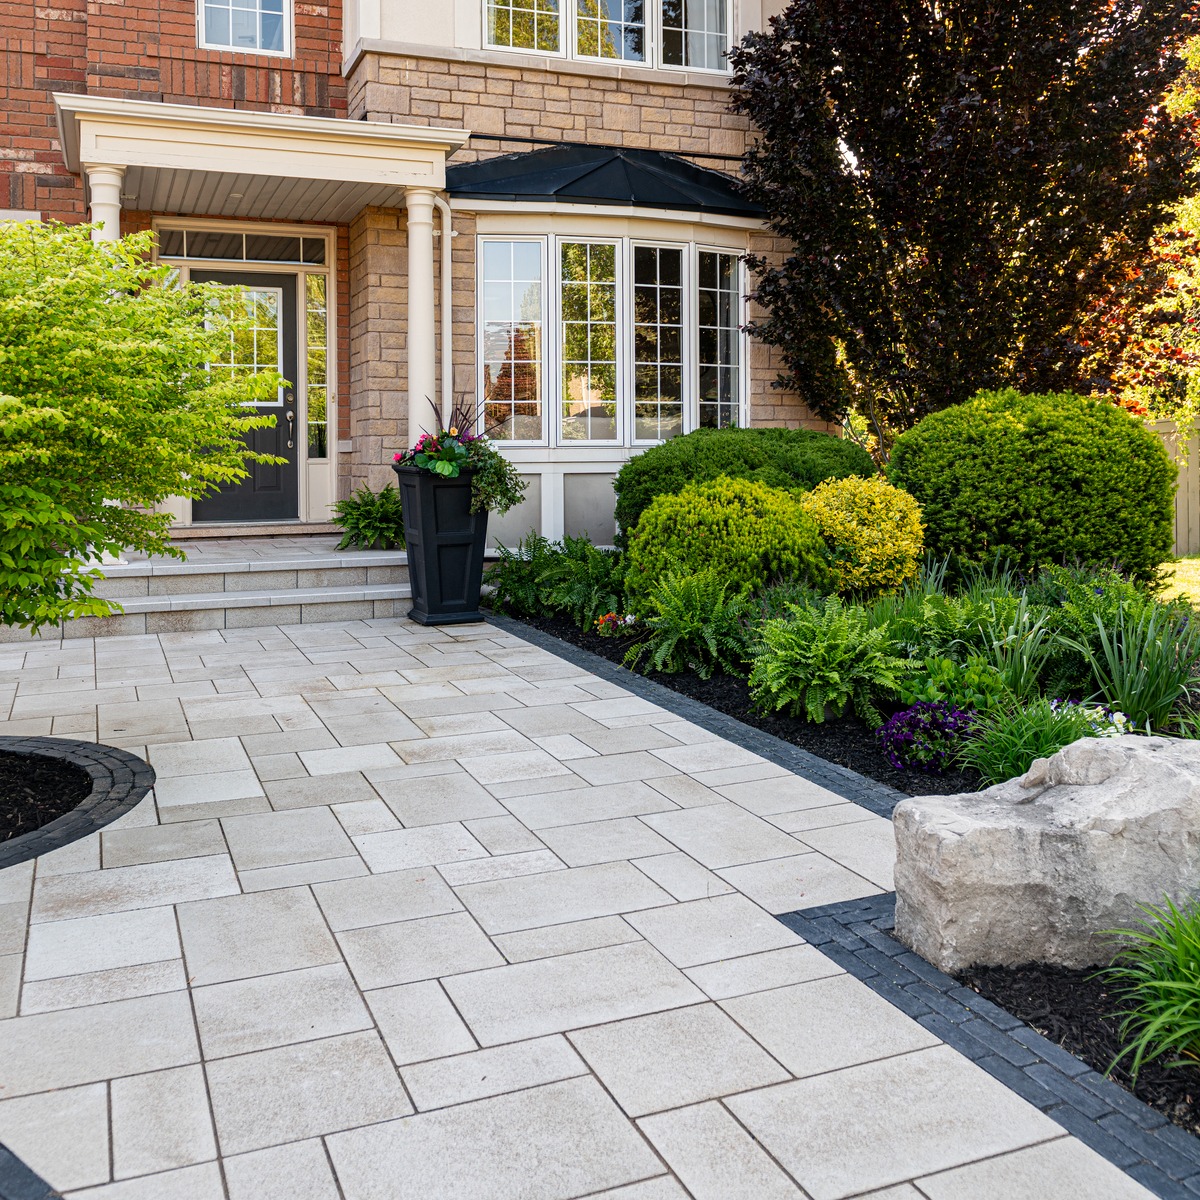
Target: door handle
291,420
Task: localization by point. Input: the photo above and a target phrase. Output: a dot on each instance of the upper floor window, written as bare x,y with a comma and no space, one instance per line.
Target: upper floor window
693,34
252,26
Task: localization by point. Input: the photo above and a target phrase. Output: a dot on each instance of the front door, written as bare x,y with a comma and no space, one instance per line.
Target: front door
270,492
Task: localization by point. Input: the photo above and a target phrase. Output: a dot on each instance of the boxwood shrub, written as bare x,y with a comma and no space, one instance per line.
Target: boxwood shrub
1040,480
748,534
793,459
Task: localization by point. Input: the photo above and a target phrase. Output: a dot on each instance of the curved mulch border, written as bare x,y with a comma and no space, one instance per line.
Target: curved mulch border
119,781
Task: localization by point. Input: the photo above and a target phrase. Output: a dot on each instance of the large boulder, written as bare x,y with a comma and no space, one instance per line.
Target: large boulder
1037,869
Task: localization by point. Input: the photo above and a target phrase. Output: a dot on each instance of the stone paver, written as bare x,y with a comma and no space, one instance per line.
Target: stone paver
435,913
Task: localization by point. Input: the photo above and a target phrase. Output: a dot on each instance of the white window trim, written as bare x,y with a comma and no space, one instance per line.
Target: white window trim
288,24
568,42
552,339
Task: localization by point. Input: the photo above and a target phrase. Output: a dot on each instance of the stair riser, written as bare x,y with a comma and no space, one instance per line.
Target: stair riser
217,618
128,587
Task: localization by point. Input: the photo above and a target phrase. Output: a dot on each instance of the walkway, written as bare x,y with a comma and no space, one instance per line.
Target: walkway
435,914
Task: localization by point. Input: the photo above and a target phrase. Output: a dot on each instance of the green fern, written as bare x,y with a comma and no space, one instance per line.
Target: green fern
514,579
814,661
584,582
695,625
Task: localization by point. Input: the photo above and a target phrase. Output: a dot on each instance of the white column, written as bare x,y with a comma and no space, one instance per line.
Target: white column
422,327
104,184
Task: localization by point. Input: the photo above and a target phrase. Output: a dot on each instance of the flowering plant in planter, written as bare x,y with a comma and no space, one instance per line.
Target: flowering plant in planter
495,485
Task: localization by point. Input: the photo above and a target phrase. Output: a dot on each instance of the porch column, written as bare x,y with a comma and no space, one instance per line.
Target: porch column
422,336
104,184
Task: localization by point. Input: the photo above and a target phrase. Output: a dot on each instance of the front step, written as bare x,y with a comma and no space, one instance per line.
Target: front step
240,592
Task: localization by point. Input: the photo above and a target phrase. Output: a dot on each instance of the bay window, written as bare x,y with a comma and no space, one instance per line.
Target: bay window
693,34
633,343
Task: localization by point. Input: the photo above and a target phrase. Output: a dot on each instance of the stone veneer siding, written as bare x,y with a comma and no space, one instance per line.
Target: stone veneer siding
549,104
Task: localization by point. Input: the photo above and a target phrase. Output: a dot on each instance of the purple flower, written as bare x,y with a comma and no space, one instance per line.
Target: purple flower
925,737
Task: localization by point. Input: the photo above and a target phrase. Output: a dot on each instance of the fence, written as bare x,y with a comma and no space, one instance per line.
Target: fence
1187,496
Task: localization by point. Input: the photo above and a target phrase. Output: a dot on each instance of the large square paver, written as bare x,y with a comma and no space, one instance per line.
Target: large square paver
123,939
723,835
297,1171
715,1157
419,1023
275,839
254,934
605,841
436,799
1061,1170
244,1015
703,931
867,848
573,806
546,1143
827,1024
926,1111
551,995
400,849
674,1058
161,1121
62,1135
803,881
303,1091
383,899
408,951
555,897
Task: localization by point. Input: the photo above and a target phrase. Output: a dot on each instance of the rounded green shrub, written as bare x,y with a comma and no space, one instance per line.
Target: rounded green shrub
1040,480
793,459
745,532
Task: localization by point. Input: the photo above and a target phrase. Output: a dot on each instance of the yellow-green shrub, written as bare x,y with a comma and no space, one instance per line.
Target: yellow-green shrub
746,532
873,535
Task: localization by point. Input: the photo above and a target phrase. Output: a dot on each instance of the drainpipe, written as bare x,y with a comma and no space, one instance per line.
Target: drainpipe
447,308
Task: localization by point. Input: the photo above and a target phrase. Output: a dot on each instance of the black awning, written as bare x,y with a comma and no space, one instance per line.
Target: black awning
574,174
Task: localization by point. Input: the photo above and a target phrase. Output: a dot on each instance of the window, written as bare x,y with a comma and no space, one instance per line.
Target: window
316,331
511,311
647,340
720,341
255,344
693,34
611,29
240,247
523,24
251,25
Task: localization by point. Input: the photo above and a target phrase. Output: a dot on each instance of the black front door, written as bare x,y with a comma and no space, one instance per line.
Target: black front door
269,493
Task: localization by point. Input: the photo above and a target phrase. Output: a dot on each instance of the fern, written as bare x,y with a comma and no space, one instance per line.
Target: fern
695,625
827,659
584,582
514,580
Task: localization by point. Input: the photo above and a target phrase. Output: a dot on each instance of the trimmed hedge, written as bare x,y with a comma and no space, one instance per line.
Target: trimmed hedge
1040,480
748,534
792,459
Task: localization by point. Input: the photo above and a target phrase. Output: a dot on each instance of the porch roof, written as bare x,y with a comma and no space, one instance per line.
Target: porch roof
192,160
579,174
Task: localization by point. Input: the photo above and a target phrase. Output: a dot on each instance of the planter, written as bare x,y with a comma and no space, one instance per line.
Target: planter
445,542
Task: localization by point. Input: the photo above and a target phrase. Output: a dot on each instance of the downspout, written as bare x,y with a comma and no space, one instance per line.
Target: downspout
447,309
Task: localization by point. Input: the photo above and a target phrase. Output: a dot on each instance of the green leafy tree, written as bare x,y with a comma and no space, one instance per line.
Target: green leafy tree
958,180
107,408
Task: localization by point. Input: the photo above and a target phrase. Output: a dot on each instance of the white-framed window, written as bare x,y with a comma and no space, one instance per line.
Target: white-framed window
617,342
248,26
691,35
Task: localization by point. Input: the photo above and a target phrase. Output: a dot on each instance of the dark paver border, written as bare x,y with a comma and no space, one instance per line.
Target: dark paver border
18,1182
857,935
868,793
119,781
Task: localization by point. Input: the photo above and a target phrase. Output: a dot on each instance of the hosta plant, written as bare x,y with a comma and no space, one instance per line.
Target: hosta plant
819,661
975,684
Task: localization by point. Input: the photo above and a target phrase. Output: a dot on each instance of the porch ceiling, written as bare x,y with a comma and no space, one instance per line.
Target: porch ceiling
221,162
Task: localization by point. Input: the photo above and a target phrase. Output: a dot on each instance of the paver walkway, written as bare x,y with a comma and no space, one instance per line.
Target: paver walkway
421,913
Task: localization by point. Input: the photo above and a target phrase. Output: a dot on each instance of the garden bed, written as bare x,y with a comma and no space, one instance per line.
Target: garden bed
848,742
1079,1012
35,790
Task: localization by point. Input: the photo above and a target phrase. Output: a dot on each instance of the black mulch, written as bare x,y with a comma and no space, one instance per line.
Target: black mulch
847,742
1079,1012
35,790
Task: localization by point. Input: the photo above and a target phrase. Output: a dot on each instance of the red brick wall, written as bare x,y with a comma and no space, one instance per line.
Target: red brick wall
145,50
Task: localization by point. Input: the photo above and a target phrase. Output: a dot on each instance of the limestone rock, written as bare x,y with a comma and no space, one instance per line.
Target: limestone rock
1036,869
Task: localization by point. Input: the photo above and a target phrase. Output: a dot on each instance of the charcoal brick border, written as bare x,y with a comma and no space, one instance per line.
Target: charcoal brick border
18,1182
119,781
1132,1135
868,793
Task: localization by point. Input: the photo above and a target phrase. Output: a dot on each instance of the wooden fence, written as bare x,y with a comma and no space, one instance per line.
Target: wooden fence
1187,496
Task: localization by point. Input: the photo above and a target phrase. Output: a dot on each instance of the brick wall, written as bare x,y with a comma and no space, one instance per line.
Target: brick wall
143,50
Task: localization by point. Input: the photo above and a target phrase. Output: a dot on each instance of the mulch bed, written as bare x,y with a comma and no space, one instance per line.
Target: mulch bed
1079,1012
35,790
847,742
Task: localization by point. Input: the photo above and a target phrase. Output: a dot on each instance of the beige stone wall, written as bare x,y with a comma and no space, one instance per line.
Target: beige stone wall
551,104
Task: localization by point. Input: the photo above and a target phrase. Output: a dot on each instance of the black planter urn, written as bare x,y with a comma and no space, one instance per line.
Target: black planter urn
445,542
